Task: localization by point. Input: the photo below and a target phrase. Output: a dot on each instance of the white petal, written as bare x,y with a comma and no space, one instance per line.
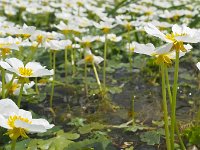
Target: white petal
177,29
98,59
152,30
198,65
25,114
34,66
164,49
42,72
3,122
15,63
147,49
30,127
7,106
187,39
4,65
43,122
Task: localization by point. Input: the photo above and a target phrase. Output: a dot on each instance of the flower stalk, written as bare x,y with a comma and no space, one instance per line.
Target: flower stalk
20,94
174,94
53,82
105,60
167,135
97,77
13,144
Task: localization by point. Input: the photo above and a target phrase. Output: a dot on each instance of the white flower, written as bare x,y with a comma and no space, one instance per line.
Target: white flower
114,38
58,45
15,87
198,65
179,35
31,69
19,122
90,58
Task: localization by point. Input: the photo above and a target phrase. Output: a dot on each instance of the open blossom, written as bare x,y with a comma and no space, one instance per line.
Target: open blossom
19,122
162,53
31,69
180,34
90,58
15,87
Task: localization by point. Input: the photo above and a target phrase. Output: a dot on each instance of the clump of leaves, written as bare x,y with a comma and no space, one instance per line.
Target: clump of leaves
152,137
193,135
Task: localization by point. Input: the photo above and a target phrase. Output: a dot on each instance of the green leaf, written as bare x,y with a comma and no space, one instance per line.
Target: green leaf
88,128
151,137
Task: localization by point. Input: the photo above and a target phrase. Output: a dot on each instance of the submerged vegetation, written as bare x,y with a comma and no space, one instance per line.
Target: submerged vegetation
104,75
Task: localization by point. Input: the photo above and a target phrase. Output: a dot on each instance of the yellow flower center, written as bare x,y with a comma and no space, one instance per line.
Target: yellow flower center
177,45
163,58
25,71
14,87
106,30
89,58
39,38
128,26
5,51
15,132
26,35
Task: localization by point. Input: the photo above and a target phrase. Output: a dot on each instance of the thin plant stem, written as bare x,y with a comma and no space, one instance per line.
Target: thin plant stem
174,94
13,144
50,59
105,61
97,77
130,53
66,61
36,86
73,62
53,82
167,135
20,94
133,111
170,98
85,80
10,84
3,82
168,86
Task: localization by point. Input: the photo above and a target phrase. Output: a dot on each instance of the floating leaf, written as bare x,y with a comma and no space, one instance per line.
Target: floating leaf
88,128
151,137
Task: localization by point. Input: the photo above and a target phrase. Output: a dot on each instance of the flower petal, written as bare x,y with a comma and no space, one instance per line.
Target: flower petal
7,107
43,122
34,128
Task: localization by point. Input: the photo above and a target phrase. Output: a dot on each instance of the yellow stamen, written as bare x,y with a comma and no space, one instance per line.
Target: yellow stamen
89,58
15,132
25,71
14,87
177,45
163,58
39,38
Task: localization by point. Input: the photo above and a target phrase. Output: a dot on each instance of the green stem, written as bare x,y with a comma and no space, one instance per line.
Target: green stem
50,59
53,82
168,86
9,85
130,53
13,144
173,109
133,111
170,98
66,60
85,80
165,107
97,77
20,94
73,62
104,65
36,86
3,83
